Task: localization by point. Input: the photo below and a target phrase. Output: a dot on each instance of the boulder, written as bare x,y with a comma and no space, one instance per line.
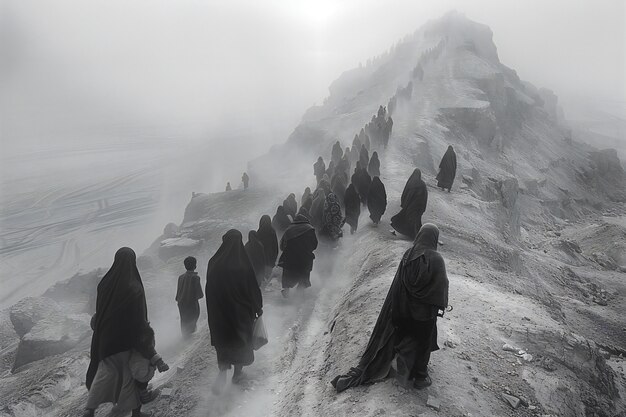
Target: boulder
177,247
51,336
170,230
30,310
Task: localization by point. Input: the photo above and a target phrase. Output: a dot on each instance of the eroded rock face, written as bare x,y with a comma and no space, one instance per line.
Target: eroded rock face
27,312
51,336
607,164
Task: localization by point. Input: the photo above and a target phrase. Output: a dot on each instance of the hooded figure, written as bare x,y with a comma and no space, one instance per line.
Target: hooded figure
304,212
325,184
374,166
281,220
364,157
256,253
297,244
387,131
234,302
330,171
307,199
407,323
413,203
319,169
188,292
121,316
291,205
245,179
269,240
343,167
228,187
336,153
352,204
333,218
362,181
377,200
339,187
317,208
447,170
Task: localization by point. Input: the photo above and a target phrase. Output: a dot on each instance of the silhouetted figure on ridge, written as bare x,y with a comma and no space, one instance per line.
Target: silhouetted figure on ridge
319,169
188,292
407,323
447,169
336,153
228,187
245,179
376,200
413,203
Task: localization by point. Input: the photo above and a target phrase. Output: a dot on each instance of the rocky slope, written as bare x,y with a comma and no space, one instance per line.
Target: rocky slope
533,234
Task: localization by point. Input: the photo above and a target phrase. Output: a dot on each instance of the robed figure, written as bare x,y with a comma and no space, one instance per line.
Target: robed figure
234,301
447,170
297,244
413,204
407,324
377,200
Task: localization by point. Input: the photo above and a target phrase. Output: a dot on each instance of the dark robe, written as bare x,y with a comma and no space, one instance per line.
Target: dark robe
377,200
256,253
291,205
413,203
336,153
374,166
317,208
188,292
245,179
121,311
281,220
343,167
333,218
406,325
352,203
447,169
319,169
298,244
233,300
269,240
362,181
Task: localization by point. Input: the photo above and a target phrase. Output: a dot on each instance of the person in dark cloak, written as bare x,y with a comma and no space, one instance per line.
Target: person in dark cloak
121,317
333,218
304,212
245,179
336,153
228,187
387,131
269,240
407,324
377,200
317,209
297,244
256,253
352,203
362,181
281,220
373,168
291,205
319,169
413,204
306,196
234,302
188,292
325,184
447,169
364,157
339,187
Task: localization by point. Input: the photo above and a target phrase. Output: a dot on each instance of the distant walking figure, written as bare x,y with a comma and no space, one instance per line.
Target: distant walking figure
188,292
319,169
413,203
267,236
377,200
374,165
297,244
234,301
228,187
317,209
245,179
307,199
121,317
407,324
447,170
291,205
281,220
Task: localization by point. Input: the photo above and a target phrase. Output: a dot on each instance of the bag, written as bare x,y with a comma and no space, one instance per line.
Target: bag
259,334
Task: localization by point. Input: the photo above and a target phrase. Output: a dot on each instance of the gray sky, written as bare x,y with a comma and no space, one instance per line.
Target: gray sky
190,67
